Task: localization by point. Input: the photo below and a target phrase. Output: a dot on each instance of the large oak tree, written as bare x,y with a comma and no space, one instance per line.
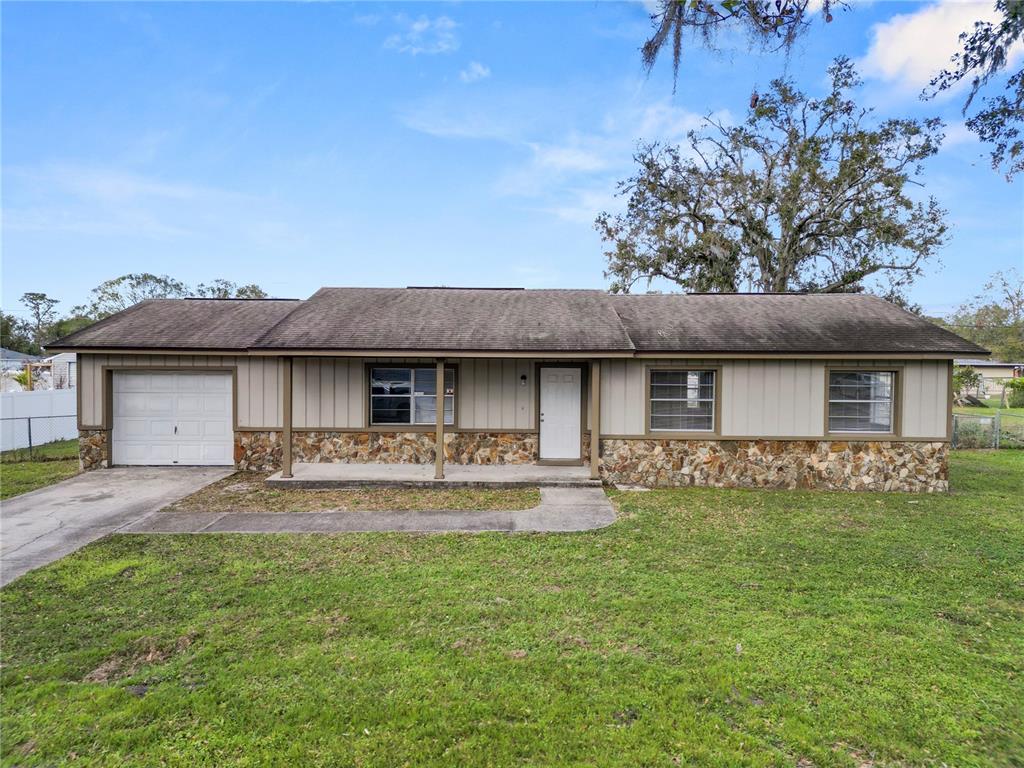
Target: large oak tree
772,24
984,61
807,194
987,53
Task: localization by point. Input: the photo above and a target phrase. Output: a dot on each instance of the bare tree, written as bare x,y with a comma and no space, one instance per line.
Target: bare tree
43,311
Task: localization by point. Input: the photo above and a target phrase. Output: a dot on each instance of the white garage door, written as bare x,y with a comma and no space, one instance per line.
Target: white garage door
172,418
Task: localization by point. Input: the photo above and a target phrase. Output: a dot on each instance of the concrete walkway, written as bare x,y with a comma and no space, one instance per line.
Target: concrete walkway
41,526
560,510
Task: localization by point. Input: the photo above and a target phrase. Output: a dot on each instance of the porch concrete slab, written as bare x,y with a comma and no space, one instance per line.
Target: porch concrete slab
561,510
336,475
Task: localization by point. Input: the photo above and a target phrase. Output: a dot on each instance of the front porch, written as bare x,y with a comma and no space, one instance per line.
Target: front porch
338,475
505,422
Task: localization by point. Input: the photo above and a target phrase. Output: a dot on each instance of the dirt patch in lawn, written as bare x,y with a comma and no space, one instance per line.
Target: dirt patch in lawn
246,492
144,652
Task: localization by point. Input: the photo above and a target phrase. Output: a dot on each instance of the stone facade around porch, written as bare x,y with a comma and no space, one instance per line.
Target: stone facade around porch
775,464
262,450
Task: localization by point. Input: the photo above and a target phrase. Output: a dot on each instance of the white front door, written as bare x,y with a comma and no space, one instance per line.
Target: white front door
560,392
172,418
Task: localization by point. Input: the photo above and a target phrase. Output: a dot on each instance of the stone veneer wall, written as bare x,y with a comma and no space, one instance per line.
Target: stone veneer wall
819,464
92,449
262,450
823,465
258,451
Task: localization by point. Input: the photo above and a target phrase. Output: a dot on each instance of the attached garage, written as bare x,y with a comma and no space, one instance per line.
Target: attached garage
172,418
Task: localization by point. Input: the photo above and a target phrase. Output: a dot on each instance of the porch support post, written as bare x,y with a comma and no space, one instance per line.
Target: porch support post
286,419
595,419
439,431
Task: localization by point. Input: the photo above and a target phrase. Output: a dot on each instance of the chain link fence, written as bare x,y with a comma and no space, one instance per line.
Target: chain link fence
38,438
1001,430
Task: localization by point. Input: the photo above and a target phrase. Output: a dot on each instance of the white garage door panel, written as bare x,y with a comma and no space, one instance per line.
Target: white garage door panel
172,418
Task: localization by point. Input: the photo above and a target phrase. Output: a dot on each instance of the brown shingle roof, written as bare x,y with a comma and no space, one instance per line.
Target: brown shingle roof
183,324
781,323
466,319
452,319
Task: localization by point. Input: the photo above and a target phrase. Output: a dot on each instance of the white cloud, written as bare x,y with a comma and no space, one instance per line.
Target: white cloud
958,134
424,35
569,171
581,206
606,151
122,187
911,48
475,71
113,202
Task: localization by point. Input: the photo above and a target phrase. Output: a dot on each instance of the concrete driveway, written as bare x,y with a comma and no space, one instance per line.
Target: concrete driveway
41,526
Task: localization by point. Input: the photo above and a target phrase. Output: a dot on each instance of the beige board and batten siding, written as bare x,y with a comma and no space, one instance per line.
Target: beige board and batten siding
494,396
760,398
777,398
258,384
490,394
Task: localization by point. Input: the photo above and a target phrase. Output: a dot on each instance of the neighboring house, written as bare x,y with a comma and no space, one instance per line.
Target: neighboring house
775,390
11,364
63,370
994,374
15,361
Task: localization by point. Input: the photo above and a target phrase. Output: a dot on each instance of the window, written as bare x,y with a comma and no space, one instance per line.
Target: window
682,401
860,401
408,396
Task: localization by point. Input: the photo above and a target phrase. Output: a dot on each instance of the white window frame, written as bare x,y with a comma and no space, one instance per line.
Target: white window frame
690,401
891,400
411,396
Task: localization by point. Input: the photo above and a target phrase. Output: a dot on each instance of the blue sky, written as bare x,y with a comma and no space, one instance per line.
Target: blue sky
300,145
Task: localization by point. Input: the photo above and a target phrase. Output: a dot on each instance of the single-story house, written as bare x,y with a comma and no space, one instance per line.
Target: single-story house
15,361
839,391
994,373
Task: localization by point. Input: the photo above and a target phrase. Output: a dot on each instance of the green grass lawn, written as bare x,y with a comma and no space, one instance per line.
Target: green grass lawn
706,627
51,463
22,476
989,409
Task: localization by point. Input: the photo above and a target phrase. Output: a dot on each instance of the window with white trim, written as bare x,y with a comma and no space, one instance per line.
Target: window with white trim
861,401
682,400
409,396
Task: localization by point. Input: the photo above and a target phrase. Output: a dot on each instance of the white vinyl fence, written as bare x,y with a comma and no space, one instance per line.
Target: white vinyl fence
35,418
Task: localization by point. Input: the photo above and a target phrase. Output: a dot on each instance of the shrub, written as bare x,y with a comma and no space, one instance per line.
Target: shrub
1015,393
965,379
974,433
